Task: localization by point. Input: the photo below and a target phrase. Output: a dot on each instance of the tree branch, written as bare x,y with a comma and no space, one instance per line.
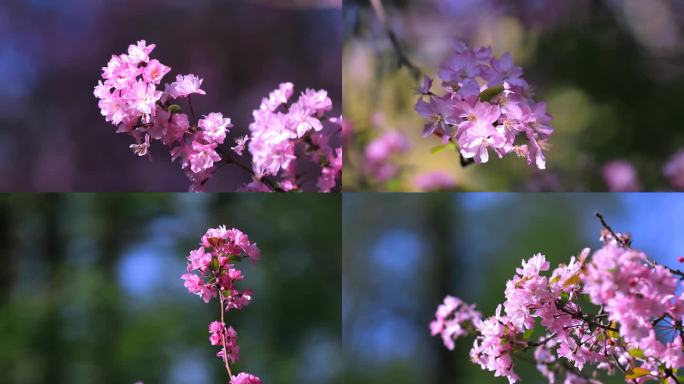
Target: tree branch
402,58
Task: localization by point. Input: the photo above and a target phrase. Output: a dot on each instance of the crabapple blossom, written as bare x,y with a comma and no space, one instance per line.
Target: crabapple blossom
280,132
613,310
212,271
131,98
486,106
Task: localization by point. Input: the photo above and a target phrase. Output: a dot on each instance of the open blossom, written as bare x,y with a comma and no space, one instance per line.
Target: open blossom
614,310
486,106
282,134
214,127
212,272
184,86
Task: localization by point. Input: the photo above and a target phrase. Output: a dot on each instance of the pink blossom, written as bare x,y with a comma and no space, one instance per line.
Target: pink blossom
245,378
154,71
202,156
240,143
215,127
184,86
139,52
452,320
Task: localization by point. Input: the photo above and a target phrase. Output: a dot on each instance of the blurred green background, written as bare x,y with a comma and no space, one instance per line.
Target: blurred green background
402,253
611,72
90,288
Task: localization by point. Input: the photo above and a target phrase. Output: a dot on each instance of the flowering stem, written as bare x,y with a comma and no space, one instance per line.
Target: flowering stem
223,336
403,60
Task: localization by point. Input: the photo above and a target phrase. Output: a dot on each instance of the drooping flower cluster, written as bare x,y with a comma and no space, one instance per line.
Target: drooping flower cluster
486,105
616,311
131,97
282,134
213,272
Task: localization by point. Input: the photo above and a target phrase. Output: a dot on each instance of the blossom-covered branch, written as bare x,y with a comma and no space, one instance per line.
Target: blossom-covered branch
282,137
213,273
613,311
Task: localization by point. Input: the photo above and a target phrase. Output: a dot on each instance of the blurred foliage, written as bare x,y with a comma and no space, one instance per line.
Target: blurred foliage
610,71
402,253
91,290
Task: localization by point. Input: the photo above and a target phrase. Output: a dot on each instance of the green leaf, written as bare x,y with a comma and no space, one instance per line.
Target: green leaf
440,148
528,334
636,352
215,263
489,93
174,108
636,373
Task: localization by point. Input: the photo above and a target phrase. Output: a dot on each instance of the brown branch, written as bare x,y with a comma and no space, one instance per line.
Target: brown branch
228,158
402,58
622,240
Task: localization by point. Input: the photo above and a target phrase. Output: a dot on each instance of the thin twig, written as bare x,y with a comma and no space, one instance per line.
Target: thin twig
402,58
192,110
223,335
626,242
620,239
230,159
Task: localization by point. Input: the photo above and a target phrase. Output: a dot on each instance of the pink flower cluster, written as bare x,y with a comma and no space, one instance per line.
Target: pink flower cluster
131,97
216,275
452,319
616,311
486,105
282,134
